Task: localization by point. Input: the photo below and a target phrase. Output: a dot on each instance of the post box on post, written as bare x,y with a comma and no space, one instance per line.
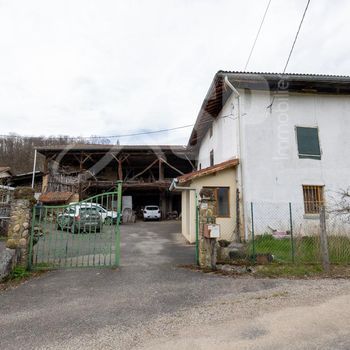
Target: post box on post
208,229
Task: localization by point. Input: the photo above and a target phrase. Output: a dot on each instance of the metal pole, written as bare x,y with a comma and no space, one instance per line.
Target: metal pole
253,238
34,166
197,229
117,228
324,242
30,253
291,231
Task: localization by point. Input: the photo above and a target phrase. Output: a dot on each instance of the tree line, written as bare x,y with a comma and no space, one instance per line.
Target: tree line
17,151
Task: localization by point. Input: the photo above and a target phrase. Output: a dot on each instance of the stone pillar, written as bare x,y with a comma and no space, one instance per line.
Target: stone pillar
207,215
20,223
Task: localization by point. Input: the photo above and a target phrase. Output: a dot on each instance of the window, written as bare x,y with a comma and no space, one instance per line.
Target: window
211,130
211,157
313,199
308,143
222,197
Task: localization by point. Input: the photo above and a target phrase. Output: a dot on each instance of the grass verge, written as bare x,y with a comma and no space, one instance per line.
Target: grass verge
18,276
307,249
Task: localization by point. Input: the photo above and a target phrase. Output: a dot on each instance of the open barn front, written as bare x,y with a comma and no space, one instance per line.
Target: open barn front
146,172
169,203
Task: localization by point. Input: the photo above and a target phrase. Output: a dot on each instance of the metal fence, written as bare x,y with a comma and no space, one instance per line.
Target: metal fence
5,209
282,232
6,195
79,234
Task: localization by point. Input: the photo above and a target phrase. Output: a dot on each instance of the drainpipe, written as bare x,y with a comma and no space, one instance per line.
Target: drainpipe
34,166
175,187
239,150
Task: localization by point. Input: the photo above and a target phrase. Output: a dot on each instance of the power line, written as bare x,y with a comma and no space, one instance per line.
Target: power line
114,136
100,137
143,133
292,48
257,35
296,36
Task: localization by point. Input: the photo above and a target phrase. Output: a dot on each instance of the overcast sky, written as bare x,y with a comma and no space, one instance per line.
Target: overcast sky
101,67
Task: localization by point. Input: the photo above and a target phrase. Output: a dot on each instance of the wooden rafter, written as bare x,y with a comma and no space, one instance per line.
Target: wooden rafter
172,167
144,170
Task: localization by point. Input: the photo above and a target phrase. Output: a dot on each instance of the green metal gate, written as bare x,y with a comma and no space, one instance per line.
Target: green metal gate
82,234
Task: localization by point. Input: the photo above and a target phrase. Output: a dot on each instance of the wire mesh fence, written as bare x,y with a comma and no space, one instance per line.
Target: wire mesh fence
284,233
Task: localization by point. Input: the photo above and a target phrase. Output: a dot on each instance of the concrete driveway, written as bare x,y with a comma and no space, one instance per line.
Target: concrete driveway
152,303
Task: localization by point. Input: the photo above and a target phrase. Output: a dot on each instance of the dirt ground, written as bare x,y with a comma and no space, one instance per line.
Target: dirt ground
312,314
152,303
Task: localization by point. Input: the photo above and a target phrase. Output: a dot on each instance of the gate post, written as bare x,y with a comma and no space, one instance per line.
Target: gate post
117,229
207,215
20,223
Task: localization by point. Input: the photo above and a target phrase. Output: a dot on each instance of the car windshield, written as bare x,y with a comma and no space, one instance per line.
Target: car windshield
152,208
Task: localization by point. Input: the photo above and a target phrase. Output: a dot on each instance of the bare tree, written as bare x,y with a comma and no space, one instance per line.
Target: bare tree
17,152
340,204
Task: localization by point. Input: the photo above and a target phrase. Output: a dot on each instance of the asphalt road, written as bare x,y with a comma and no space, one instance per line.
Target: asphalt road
150,302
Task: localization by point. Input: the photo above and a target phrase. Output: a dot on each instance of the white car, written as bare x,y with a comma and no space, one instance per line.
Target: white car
151,212
107,216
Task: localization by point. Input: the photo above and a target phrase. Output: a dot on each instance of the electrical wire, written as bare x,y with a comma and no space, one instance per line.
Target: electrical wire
99,137
116,136
293,46
296,36
257,35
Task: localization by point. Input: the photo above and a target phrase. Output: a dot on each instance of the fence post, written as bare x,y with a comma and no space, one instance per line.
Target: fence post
291,231
117,228
253,238
323,237
197,229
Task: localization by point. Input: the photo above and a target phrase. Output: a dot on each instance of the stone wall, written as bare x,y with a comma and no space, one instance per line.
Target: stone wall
20,223
207,215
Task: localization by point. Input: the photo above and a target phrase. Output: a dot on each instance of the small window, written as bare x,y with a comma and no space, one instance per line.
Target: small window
308,143
313,199
211,130
211,157
222,197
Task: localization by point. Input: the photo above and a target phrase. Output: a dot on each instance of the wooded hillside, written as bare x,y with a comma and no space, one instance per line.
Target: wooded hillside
17,152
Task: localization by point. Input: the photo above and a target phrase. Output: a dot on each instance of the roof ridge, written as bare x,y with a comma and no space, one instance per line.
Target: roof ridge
288,74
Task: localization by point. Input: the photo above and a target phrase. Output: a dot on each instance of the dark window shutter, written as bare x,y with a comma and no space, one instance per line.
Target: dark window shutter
308,143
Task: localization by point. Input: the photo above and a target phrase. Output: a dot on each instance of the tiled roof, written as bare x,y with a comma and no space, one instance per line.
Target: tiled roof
55,197
208,171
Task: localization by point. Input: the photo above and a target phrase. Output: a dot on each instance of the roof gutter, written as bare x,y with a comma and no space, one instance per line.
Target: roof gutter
175,187
227,82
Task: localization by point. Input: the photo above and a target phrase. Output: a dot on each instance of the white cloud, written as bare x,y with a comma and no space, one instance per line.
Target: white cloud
114,67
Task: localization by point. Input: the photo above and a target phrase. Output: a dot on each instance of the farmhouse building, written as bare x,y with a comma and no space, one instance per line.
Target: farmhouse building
288,136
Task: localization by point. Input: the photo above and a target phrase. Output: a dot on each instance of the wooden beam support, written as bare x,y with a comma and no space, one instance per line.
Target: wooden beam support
144,170
172,167
161,170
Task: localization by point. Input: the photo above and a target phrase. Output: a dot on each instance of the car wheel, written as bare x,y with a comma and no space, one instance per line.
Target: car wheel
108,221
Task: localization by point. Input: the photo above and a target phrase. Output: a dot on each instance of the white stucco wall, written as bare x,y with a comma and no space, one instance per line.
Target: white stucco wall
224,139
272,170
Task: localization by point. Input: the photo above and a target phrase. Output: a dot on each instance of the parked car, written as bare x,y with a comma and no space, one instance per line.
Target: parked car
151,212
77,218
109,217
